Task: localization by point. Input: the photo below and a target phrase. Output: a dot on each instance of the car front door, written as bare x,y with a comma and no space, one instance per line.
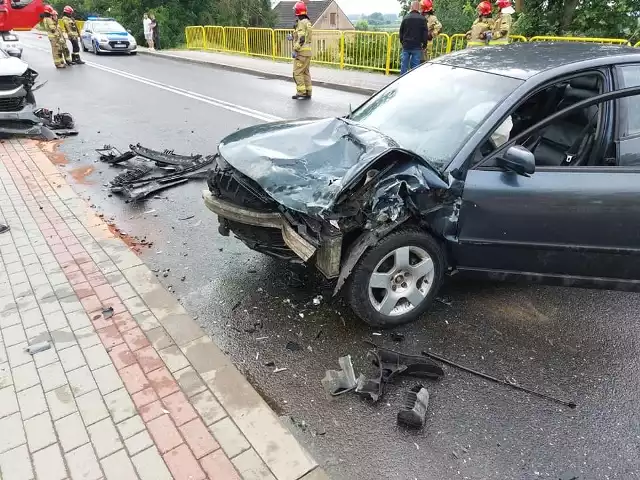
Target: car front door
86,35
569,225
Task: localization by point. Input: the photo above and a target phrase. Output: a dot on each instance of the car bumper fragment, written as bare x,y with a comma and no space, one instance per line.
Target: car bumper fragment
293,239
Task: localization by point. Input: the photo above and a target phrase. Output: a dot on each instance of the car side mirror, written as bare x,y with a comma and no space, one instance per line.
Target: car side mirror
517,159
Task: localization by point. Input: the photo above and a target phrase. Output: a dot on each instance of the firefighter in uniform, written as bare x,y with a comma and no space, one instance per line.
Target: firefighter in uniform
502,23
433,26
302,53
51,27
71,28
62,42
477,36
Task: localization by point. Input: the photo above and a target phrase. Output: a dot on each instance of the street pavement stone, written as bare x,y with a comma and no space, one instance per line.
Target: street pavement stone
16,464
49,463
71,432
121,397
83,463
40,432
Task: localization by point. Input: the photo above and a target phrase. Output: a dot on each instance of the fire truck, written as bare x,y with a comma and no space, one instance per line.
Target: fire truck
16,15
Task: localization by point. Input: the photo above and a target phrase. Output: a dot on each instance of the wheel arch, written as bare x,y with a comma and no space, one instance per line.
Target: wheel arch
369,238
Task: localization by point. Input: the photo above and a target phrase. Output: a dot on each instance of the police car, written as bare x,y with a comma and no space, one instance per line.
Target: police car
102,35
10,43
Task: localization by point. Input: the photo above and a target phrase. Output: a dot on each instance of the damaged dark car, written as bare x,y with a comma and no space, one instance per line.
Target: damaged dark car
514,162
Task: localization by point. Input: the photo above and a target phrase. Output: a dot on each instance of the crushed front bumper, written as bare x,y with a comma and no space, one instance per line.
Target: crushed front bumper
327,255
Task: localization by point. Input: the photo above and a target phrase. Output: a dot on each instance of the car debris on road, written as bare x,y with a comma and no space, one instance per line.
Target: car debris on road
391,364
509,382
413,412
337,382
134,183
19,114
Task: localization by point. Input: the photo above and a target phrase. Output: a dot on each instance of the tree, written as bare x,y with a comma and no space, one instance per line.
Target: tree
376,18
362,25
592,18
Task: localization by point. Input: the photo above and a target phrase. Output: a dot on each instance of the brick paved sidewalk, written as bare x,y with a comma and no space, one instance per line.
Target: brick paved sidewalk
142,393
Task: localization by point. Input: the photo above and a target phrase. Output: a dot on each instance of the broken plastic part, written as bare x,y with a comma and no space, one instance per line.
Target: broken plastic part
414,410
390,364
337,382
395,363
167,157
38,347
130,175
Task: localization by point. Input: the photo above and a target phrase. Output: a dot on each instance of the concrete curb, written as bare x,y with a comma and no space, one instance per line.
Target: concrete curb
272,441
277,76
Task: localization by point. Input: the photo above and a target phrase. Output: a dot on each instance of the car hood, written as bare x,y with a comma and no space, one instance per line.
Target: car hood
305,164
12,66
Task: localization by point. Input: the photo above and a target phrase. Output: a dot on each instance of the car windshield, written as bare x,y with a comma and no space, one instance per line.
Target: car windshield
107,27
432,110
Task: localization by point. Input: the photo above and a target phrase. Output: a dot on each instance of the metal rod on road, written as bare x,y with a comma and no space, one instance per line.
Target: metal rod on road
497,380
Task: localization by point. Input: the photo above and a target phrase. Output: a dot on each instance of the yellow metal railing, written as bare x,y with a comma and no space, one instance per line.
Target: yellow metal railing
236,40
260,42
327,47
195,37
377,51
283,46
214,38
368,50
606,41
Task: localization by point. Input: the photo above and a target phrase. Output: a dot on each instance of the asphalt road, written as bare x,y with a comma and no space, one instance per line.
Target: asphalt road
575,344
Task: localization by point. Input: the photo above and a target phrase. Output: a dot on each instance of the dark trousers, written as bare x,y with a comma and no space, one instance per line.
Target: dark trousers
75,45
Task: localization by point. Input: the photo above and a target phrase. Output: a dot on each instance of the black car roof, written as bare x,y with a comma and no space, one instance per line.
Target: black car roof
526,59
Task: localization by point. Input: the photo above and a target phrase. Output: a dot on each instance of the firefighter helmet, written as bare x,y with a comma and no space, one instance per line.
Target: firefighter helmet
48,9
300,8
503,3
484,8
427,5
68,10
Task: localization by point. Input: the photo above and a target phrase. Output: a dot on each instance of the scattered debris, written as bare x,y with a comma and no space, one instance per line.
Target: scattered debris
293,346
187,218
337,382
444,301
38,347
107,312
278,370
390,364
413,412
509,382
376,334
134,183
317,300
112,155
397,337
262,338
270,364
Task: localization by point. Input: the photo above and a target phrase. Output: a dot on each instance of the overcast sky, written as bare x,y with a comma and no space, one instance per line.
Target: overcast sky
369,6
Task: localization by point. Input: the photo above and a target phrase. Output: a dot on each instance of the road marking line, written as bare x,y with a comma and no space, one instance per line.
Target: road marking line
180,91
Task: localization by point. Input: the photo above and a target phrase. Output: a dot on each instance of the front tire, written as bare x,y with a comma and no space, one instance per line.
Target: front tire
96,49
396,280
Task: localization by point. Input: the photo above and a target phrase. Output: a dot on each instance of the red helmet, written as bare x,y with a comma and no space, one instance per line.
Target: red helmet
68,10
49,9
55,13
300,8
503,3
484,8
427,5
